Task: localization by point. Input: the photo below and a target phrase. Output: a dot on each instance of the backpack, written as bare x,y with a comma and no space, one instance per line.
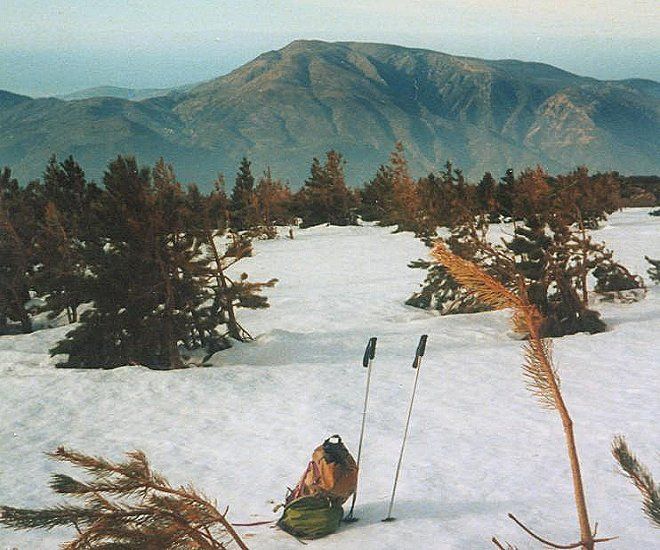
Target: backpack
313,508
311,517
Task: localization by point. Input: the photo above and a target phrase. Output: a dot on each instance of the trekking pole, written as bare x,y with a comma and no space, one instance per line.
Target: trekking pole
369,354
416,365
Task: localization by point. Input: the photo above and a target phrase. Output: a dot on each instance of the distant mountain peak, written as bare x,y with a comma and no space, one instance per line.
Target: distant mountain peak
289,105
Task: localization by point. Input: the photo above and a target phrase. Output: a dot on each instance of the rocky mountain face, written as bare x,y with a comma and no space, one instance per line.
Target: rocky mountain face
287,106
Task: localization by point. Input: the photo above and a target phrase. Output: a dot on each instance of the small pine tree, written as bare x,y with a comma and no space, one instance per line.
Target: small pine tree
393,197
440,291
149,275
17,258
325,198
654,270
65,186
539,370
230,294
218,205
127,505
274,202
61,275
505,194
640,477
486,199
448,181
431,199
405,198
67,224
243,202
614,277
377,195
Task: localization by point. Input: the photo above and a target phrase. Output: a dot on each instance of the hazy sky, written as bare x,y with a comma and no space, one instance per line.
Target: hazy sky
52,46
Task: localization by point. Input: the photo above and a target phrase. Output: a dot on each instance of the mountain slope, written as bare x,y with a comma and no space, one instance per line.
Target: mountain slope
287,106
7,99
132,94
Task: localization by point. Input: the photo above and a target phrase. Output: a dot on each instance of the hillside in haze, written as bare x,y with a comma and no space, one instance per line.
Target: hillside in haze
286,106
133,94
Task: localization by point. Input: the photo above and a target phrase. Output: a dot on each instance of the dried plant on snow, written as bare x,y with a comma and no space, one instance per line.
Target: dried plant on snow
127,505
538,370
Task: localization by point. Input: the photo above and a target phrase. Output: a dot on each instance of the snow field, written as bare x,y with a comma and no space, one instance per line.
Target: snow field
479,445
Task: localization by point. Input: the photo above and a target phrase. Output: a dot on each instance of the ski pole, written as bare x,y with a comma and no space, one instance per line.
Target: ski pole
416,365
369,354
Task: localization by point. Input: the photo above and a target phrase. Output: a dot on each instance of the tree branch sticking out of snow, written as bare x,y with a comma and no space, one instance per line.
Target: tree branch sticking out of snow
539,371
127,505
501,546
640,477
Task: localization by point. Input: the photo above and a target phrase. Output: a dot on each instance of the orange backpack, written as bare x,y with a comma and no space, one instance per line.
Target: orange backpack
332,472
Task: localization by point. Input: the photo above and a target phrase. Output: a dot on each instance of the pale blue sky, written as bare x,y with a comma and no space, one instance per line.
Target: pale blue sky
56,46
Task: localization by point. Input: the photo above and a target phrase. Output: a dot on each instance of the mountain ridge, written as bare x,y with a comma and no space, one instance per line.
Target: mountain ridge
288,105
119,92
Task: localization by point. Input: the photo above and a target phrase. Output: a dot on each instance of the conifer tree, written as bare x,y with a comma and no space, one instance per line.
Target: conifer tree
598,195
550,252
486,199
547,259
157,279
243,202
440,291
505,194
218,208
405,198
67,225
612,277
641,478
325,198
274,203
377,195
230,294
61,274
448,185
65,186
17,259
654,270
127,505
432,199
394,198
540,374
149,275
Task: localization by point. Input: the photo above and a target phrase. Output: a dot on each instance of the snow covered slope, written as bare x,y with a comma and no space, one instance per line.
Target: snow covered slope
479,445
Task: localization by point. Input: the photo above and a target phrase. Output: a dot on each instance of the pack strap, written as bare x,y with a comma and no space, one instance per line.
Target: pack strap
298,491
266,522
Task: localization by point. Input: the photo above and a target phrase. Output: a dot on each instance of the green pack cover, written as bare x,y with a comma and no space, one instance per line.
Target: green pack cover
311,517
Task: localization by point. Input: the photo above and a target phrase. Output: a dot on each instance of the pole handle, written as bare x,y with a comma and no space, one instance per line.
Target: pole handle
421,348
369,352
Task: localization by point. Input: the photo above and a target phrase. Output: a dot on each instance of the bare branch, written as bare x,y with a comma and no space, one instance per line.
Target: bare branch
553,544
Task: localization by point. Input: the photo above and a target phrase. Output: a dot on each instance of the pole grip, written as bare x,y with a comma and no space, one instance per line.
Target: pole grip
421,348
369,352
372,341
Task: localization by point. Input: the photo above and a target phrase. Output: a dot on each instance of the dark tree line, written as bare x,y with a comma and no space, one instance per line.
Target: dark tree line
146,257
152,256
549,255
